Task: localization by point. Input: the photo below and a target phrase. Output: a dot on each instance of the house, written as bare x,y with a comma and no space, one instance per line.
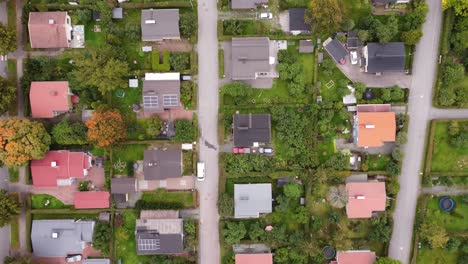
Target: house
253,58
352,40
247,4
49,30
251,129
297,24
251,200
162,164
60,168
159,24
95,261
117,13
263,258
59,238
355,257
122,188
159,233
161,91
374,125
336,50
91,200
365,198
306,46
380,58
49,99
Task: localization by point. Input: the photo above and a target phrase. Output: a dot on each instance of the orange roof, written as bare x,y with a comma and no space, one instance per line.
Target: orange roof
49,97
91,200
254,258
355,257
375,128
48,30
365,198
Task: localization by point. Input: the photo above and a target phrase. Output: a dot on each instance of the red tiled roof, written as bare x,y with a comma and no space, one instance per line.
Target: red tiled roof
68,165
48,30
47,97
254,258
365,198
355,257
375,128
91,200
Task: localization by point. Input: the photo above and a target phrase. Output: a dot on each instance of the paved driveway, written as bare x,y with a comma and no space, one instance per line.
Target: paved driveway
4,231
208,120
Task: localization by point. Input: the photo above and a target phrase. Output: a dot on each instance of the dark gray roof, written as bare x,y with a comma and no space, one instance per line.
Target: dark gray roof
336,50
152,243
117,13
251,128
156,90
70,236
352,34
385,57
159,24
296,20
249,56
162,164
353,42
306,46
123,185
120,199
247,4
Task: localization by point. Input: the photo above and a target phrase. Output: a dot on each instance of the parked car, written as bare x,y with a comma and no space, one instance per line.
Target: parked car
353,56
200,171
266,16
238,150
73,258
185,77
266,150
247,150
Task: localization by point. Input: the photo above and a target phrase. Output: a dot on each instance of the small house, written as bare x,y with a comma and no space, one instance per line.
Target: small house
251,129
251,200
159,24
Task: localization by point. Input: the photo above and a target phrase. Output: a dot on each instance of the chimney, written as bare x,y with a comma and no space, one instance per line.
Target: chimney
360,197
53,164
150,21
54,235
51,22
53,93
370,126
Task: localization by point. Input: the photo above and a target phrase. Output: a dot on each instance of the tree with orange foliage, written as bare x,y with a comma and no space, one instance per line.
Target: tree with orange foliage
106,128
22,140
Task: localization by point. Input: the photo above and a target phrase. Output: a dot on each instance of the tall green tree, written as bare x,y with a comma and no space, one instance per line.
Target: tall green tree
460,6
8,94
68,133
9,208
327,15
7,39
411,37
386,32
434,234
385,260
234,232
101,237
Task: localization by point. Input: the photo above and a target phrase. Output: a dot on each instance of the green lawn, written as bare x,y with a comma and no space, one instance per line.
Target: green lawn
127,154
11,13
325,149
356,9
378,162
161,195
453,222
329,94
436,256
11,66
38,201
94,39
125,247
74,216
445,157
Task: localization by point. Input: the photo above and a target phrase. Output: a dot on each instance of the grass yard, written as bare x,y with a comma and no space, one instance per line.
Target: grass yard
325,149
221,63
127,154
11,13
75,216
93,39
378,162
38,201
124,239
453,222
356,9
188,162
11,67
445,157
329,94
436,256
161,195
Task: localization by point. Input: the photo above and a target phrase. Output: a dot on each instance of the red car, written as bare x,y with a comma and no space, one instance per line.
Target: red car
238,150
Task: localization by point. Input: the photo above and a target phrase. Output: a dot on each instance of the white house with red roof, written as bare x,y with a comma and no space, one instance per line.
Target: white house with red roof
365,198
49,99
355,257
60,168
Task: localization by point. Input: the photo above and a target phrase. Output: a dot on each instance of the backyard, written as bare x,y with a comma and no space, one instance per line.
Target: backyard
46,201
124,156
161,196
446,157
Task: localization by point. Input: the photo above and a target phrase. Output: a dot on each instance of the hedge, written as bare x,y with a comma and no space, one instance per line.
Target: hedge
161,67
145,205
156,4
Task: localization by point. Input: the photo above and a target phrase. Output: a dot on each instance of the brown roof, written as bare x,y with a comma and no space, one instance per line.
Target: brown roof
48,30
365,198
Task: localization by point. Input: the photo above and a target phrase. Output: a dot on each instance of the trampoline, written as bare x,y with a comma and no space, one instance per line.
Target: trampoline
446,204
328,252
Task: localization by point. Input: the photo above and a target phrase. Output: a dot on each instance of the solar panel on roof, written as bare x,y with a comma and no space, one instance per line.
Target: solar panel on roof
148,244
150,101
170,100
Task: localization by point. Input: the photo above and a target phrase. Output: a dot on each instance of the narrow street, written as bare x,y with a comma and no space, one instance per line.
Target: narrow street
209,250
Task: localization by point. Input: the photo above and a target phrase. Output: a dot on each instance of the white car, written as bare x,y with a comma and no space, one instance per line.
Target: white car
353,56
266,15
74,258
266,150
200,171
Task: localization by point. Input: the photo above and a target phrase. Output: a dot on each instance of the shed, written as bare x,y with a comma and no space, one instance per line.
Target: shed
306,46
117,13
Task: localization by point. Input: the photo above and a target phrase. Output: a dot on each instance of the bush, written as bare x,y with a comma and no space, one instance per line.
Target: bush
453,73
101,237
234,232
156,65
67,133
186,94
179,61
188,24
153,126
247,163
145,205
186,131
226,205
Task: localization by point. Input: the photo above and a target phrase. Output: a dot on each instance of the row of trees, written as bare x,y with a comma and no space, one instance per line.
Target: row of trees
291,71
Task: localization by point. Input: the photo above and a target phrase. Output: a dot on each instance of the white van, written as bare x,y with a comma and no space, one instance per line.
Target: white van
200,171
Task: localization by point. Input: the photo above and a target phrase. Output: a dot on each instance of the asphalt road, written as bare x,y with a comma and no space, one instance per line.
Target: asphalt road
4,231
208,120
420,106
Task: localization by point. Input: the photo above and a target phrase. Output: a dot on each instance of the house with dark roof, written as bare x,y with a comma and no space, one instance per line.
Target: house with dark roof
60,238
122,189
251,200
354,257
387,57
247,4
49,99
251,129
336,50
253,58
49,30
91,200
159,24
352,40
161,91
158,234
60,168
162,164
297,24
259,258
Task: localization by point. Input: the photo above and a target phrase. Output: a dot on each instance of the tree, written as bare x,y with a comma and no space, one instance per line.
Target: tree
179,61
397,93
225,205
460,6
8,92
153,126
454,128
101,237
22,140
453,73
256,232
363,35
84,15
188,24
348,24
106,127
386,95
393,168
185,131
460,141
397,154
433,234
337,196
453,244
327,15
360,88
67,133
385,260
340,241
402,138
7,39
301,215
18,259
386,32
282,255
411,37
234,232
292,190
9,208
380,231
